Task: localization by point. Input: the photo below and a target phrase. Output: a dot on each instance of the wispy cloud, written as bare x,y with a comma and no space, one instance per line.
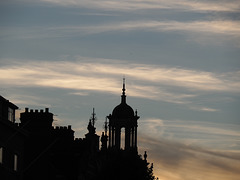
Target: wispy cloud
96,76
223,27
127,5
226,27
29,100
204,109
158,83
201,31
177,161
65,74
201,132
192,150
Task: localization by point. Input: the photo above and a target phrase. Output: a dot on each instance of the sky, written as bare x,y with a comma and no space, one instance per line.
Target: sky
181,61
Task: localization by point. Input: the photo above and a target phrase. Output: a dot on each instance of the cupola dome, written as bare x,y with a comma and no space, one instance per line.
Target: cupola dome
123,110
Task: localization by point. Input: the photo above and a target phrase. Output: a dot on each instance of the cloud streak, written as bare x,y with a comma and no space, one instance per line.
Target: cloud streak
86,75
201,31
130,5
177,161
201,129
217,27
191,150
71,74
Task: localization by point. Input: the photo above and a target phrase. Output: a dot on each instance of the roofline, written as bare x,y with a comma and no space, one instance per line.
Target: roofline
8,102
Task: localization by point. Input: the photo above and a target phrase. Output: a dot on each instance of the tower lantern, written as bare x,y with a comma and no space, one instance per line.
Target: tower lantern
123,117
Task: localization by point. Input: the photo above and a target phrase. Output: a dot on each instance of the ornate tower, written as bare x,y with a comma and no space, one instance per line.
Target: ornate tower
91,137
123,117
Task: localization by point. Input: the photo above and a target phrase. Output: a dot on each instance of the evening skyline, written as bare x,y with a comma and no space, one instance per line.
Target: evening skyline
180,61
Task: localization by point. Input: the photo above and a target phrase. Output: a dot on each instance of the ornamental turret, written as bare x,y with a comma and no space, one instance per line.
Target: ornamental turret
123,125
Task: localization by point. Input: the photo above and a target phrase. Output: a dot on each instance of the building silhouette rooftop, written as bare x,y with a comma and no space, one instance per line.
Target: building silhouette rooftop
34,149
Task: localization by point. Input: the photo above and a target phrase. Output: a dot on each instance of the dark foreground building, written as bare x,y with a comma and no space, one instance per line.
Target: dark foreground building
34,149
12,140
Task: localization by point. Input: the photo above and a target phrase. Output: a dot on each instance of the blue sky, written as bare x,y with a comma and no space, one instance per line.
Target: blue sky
180,60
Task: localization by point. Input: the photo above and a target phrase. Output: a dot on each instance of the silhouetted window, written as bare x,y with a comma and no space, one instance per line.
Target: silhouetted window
10,114
1,155
15,165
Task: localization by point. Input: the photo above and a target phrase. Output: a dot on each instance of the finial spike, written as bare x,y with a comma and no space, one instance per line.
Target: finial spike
123,89
123,92
123,85
93,118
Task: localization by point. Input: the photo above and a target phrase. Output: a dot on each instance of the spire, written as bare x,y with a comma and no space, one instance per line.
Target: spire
123,92
91,123
93,118
123,89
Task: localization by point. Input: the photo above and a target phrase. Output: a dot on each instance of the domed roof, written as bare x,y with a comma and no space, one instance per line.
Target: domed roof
123,111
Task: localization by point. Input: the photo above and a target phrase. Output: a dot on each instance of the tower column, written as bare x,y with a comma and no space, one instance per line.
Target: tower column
113,136
135,137
118,138
110,136
132,145
127,138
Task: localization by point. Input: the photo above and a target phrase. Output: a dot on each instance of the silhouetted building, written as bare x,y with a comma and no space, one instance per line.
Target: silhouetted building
11,142
123,118
52,152
92,138
104,137
34,149
48,150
